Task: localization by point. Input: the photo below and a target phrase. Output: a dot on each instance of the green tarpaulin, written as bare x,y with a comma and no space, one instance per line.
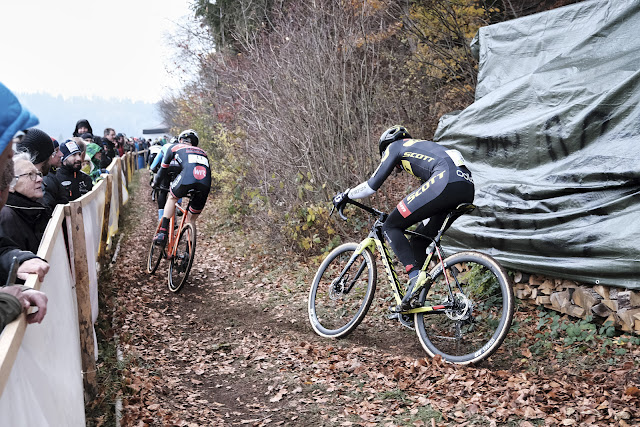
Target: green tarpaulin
553,142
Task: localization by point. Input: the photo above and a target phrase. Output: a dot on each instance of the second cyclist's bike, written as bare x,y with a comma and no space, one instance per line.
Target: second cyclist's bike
180,249
461,307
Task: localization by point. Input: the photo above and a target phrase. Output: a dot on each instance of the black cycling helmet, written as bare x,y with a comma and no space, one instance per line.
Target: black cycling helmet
191,135
394,133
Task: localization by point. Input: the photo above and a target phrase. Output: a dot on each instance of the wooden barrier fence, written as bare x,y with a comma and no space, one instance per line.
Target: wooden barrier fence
48,371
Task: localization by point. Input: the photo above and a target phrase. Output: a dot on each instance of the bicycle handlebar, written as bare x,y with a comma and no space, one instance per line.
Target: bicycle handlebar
381,215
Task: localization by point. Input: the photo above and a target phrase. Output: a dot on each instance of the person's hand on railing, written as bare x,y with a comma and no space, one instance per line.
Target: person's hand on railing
29,298
36,299
33,265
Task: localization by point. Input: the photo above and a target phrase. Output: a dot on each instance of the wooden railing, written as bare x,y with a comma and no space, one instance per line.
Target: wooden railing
48,370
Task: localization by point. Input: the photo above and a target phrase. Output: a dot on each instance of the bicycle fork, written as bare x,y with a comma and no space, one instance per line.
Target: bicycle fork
338,285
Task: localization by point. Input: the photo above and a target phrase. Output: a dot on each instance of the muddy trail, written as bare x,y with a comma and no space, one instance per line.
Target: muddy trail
234,347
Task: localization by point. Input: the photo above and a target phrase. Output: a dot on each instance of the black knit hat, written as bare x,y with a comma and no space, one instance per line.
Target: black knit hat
37,143
68,148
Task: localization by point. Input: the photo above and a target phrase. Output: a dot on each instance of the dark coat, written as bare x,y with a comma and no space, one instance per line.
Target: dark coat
64,186
23,221
108,153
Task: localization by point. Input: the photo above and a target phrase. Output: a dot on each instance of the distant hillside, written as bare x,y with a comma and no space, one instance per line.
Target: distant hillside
58,116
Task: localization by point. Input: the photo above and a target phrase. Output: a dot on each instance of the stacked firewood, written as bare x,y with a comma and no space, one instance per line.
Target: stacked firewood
620,306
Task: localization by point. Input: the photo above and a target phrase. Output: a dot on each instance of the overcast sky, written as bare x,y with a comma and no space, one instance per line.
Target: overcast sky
113,48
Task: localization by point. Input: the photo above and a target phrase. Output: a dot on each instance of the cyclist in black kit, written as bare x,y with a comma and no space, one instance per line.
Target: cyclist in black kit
194,174
446,183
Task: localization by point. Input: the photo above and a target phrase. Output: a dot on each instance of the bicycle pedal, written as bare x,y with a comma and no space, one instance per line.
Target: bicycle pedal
406,321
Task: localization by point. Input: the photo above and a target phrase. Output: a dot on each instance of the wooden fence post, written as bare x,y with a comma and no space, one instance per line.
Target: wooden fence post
118,183
104,235
85,324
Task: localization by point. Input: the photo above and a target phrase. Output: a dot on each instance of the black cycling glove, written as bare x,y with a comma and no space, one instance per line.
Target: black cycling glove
341,199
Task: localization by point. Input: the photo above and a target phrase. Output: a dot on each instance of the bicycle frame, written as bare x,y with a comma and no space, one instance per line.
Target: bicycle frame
172,244
375,240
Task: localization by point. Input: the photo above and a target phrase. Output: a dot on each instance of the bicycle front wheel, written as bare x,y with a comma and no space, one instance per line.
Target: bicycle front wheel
481,309
183,258
155,255
341,293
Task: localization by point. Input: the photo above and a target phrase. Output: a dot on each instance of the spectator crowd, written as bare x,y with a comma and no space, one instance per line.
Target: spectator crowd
37,172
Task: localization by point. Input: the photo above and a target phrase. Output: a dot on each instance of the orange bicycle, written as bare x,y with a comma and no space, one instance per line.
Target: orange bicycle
179,250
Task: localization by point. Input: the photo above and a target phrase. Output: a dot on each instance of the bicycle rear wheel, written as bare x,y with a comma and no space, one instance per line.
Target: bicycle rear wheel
182,260
482,314
156,253
339,298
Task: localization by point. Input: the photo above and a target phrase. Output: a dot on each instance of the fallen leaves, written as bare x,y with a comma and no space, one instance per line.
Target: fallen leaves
234,348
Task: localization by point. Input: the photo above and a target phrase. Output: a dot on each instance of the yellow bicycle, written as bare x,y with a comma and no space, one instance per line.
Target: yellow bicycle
461,308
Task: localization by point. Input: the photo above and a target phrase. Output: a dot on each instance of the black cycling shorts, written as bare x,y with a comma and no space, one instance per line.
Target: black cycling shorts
185,183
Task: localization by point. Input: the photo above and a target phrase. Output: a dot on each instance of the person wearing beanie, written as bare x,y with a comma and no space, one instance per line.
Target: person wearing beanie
13,118
87,136
82,126
94,153
69,182
39,146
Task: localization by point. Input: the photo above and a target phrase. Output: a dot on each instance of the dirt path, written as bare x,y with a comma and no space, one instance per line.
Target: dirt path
234,348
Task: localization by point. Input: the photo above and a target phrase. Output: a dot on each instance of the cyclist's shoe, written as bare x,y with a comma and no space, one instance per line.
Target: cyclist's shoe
405,304
160,239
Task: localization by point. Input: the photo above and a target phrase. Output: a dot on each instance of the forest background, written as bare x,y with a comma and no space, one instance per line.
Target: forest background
290,97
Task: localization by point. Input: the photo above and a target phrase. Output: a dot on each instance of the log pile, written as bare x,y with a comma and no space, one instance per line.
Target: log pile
620,306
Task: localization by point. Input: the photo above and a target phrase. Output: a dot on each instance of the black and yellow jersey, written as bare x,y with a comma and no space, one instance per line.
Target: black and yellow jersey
420,158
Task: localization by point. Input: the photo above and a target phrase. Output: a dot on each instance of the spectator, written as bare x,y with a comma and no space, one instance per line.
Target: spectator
87,137
14,117
82,126
139,148
110,152
23,219
94,154
56,157
120,144
69,182
40,147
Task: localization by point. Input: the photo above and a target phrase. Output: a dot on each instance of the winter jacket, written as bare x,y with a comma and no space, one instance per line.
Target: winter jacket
23,221
108,154
64,186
